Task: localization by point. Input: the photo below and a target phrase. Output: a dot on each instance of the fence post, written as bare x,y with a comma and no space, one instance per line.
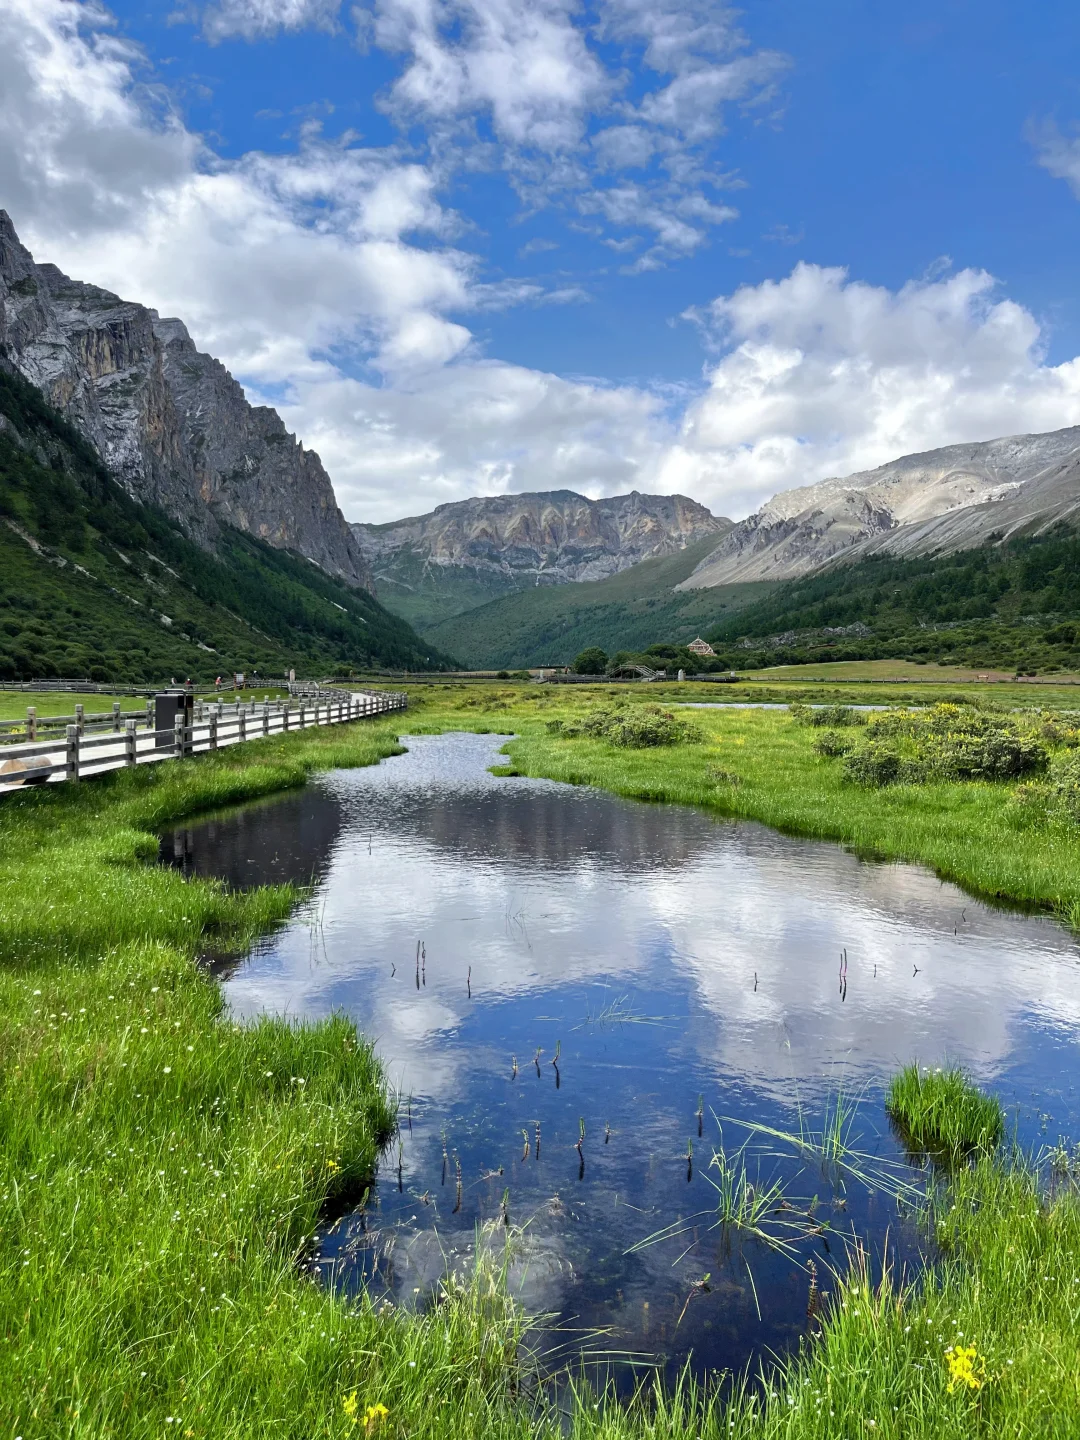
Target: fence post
303,715
266,717
73,752
178,737
131,753
241,723
31,722
150,722
80,718
213,729
116,715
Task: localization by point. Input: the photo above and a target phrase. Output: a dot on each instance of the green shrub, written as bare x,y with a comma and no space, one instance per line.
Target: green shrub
719,776
873,765
943,1114
1064,788
832,744
634,728
945,742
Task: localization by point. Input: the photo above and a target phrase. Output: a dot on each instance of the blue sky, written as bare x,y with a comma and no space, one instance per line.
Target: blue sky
471,246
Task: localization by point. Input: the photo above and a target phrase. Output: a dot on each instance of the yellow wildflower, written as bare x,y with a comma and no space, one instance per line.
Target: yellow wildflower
374,1415
349,1405
961,1361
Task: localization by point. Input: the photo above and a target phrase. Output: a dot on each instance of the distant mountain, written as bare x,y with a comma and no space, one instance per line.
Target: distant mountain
470,552
942,500
792,581
170,423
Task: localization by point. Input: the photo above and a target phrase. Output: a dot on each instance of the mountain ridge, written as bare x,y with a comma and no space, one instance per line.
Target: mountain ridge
466,553
169,422
952,497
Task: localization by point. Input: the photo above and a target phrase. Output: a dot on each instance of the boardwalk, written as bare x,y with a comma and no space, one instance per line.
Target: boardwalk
47,750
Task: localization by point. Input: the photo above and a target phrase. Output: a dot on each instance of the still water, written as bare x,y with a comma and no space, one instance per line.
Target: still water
663,979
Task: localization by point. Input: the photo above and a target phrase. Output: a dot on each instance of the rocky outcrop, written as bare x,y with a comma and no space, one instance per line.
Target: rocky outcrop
548,538
171,423
948,499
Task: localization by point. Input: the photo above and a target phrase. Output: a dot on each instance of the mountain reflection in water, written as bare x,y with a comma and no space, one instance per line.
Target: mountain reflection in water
667,955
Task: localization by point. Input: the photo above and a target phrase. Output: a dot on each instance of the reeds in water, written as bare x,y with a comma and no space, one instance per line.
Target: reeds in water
941,1113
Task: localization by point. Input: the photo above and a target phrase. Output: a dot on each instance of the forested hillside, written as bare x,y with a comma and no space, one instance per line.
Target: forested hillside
1012,606
549,624
94,584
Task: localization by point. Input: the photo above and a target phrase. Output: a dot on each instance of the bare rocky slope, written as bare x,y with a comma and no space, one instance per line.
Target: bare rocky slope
170,423
550,537
469,552
942,500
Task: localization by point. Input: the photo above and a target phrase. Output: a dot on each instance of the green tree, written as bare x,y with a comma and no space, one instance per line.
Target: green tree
591,661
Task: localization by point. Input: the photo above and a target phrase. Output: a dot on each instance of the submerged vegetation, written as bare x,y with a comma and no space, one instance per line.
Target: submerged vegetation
162,1169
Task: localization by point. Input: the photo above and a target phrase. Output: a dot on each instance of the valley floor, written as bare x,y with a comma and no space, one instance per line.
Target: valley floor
162,1168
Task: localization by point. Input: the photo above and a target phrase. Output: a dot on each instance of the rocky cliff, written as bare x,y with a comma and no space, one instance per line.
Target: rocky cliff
170,422
547,538
947,499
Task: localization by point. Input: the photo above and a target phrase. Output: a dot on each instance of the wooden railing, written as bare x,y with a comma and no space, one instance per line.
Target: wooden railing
86,745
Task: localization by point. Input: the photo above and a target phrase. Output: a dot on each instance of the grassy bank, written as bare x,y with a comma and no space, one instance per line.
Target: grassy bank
161,1168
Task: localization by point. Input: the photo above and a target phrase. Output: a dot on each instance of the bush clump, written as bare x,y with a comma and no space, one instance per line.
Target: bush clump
944,742
943,1114
831,715
1064,788
635,729
832,744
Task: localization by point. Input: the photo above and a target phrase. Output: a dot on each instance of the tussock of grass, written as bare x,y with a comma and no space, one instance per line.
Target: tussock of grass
942,1113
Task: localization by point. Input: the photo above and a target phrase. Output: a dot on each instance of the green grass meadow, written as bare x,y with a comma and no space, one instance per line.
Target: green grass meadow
162,1168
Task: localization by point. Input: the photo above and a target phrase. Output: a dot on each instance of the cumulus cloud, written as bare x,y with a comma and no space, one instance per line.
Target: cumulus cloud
522,62
523,83
821,375
302,271
483,428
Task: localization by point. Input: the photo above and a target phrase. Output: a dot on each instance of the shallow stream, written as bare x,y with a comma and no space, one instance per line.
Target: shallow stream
668,962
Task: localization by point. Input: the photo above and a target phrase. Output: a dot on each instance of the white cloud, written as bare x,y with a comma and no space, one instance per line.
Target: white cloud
559,119
821,375
277,262
523,62
481,428
257,19
1058,153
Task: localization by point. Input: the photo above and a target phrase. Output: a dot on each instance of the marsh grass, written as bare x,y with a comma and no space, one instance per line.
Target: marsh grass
942,1114
162,1170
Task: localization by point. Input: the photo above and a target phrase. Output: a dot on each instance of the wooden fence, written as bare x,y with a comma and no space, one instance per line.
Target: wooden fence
77,747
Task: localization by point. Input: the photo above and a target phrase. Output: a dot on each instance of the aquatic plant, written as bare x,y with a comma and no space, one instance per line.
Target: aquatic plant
943,1114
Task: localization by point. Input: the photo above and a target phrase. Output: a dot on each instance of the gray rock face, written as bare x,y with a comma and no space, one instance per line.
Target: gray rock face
171,423
550,537
948,499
